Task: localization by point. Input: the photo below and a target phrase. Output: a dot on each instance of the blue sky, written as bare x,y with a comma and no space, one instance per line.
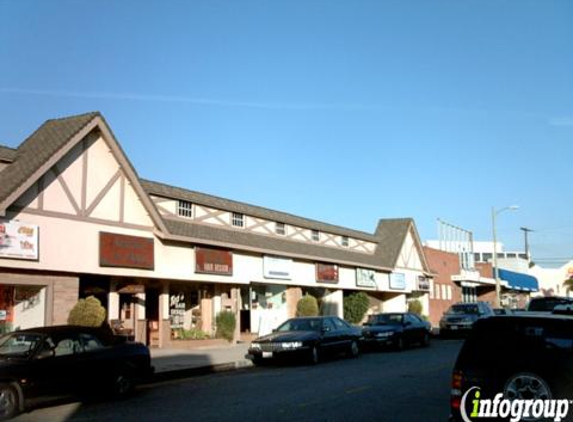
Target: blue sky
341,111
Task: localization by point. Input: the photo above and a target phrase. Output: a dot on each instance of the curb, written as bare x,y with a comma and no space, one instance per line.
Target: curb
199,371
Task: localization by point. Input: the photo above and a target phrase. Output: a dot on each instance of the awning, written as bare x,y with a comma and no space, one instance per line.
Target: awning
519,281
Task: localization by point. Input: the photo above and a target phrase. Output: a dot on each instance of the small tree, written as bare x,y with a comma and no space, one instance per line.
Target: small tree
87,313
355,307
568,284
415,306
226,323
307,306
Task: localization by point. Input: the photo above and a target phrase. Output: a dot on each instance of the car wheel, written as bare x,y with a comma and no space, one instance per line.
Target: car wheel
527,386
353,350
123,384
426,340
8,401
257,361
314,355
399,346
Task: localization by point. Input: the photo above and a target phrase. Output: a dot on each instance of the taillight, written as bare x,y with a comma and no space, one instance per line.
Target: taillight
456,391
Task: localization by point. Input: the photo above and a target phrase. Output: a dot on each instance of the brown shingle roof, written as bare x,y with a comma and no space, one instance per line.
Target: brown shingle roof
38,148
7,154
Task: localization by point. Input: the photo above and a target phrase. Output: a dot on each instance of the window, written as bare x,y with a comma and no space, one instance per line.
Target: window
90,342
315,236
344,241
444,292
431,289
486,257
238,219
437,286
185,209
280,229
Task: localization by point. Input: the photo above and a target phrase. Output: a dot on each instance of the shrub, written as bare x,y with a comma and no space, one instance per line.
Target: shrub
307,306
415,306
87,313
192,334
355,307
226,323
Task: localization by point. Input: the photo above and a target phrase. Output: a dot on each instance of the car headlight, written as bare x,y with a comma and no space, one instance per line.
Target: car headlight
291,344
255,345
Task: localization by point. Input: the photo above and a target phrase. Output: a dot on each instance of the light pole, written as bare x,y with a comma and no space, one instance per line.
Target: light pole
494,214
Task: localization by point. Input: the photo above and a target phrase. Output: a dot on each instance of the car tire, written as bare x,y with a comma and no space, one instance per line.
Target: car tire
123,383
529,383
257,361
353,350
314,357
425,340
9,401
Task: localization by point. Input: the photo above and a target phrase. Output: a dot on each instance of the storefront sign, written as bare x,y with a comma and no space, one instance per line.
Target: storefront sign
213,261
365,278
326,273
398,281
18,240
423,283
274,267
118,250
177,310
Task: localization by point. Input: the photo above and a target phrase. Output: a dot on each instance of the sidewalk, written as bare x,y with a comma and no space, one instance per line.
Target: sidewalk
180,363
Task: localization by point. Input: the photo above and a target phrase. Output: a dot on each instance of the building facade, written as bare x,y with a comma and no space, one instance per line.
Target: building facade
78,221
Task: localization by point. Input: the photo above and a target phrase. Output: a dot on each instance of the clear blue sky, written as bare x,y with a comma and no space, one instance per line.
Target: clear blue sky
341,111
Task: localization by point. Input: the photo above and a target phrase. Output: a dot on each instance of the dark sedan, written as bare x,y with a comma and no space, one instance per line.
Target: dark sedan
307,338
67,360
396,329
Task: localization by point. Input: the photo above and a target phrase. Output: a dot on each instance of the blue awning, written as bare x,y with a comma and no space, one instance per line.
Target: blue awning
519,281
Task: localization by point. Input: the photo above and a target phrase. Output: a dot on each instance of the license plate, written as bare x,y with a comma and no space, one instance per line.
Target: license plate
454,327
267,354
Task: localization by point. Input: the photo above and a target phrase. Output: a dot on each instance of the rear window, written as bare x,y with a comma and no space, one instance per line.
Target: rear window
547,304
463,309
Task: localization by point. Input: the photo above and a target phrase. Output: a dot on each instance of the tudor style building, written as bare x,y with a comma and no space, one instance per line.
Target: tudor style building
77,221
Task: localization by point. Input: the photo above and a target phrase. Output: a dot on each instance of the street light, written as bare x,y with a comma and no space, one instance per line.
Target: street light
494,213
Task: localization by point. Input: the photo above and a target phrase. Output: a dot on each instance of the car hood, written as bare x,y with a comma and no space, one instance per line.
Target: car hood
381,328
288,336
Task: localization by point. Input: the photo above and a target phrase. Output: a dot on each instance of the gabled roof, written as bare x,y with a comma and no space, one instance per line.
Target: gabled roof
48,144
7,154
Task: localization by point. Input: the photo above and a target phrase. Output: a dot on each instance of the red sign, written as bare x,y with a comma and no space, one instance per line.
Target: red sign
326,273
118,250
213,261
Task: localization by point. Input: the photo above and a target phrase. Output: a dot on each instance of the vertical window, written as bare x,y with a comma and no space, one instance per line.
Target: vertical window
238,219
344,241
315,236
185,209
280,229
431,289
444,292
437,291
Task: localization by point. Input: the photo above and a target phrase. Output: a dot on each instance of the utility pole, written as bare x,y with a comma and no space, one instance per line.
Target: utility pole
526,231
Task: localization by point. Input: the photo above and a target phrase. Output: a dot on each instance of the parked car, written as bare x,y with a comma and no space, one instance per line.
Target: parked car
547,304
307,338
460,317
67,360
526,356
397,329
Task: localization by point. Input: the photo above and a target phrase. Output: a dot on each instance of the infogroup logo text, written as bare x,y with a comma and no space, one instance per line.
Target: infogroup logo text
516,410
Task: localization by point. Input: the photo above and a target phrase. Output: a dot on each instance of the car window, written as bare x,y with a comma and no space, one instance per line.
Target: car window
463,309
19,344
301,324
67,345
328,325
90,342
382,319
340,324
416,318
410,318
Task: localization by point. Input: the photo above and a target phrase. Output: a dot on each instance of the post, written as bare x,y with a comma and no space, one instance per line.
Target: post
495,269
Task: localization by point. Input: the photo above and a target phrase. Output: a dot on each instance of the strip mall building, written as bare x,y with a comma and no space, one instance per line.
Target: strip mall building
78,221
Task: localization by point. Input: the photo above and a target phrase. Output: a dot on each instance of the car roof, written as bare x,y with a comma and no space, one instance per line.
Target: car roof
60,329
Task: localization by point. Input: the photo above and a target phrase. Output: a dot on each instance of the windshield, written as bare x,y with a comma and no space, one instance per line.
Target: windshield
18,344
306,324
463,309
385,319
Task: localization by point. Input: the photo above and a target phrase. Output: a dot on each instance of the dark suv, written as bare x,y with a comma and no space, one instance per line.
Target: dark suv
527,356
548,304
461,317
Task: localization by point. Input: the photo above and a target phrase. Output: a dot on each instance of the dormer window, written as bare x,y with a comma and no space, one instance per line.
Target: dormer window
315,236
344,241
280,229
185,209
238,219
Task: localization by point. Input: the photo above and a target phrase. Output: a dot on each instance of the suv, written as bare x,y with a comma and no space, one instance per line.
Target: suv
527,356
461,316
547,304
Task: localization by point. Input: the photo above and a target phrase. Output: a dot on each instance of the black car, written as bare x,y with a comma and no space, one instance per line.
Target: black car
502,311
548,304
307,338
527,357
396,329
67,360
460,317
